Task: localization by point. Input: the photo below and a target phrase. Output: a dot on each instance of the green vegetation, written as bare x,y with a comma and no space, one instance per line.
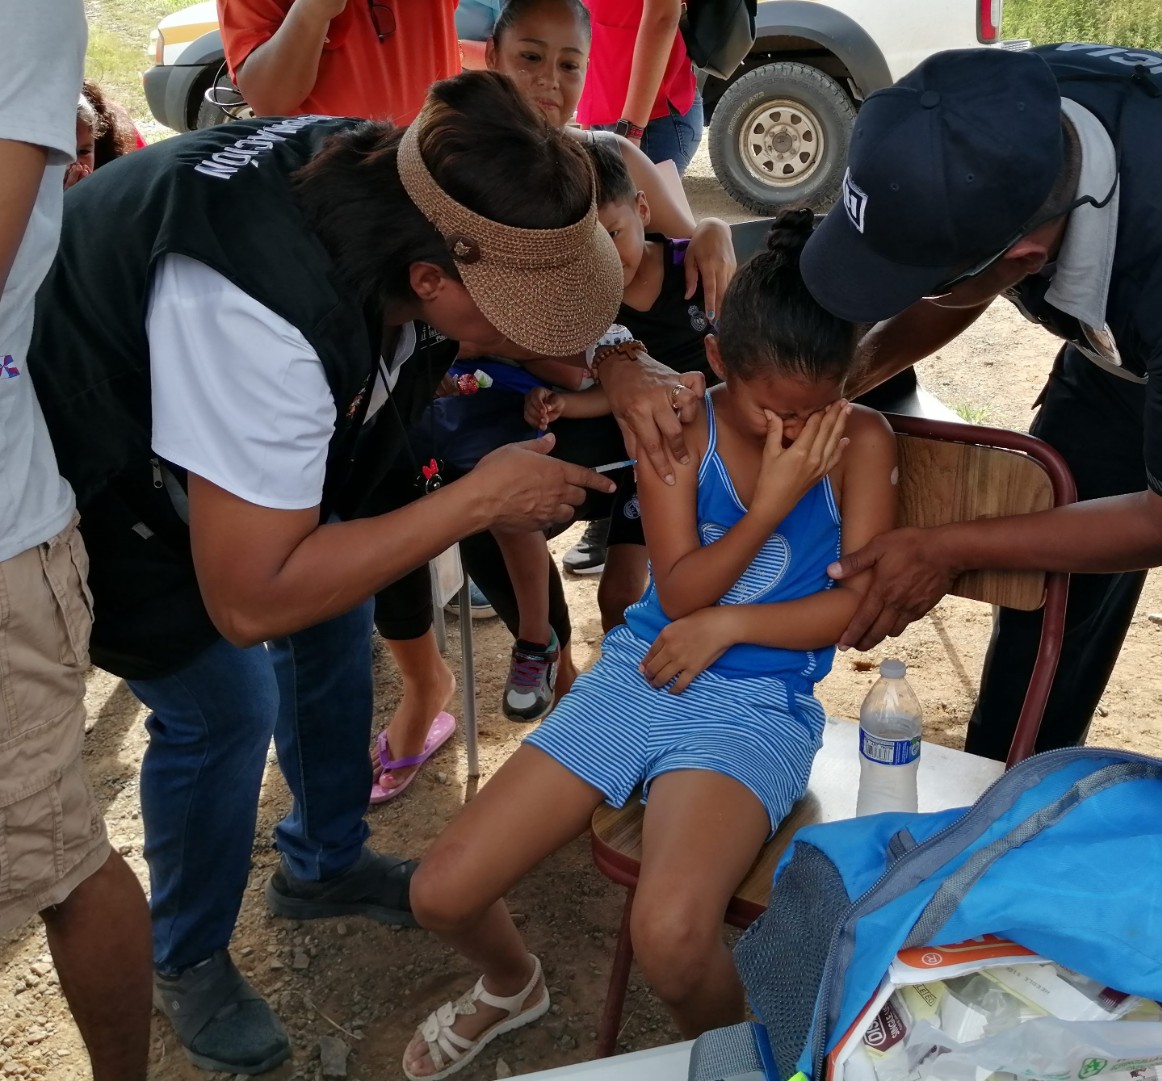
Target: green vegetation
1112,22
972,414
118,50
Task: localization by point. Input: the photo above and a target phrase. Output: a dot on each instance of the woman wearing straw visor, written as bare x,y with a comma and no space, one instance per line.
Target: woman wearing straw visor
226,335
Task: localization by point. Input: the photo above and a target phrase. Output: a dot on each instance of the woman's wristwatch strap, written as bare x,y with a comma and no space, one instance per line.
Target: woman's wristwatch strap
629,129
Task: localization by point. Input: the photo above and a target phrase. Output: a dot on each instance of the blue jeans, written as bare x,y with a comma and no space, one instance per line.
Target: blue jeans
209,731
672,138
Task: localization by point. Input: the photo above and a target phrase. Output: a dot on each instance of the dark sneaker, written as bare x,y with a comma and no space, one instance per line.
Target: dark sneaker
532,675
587,556
222,1023
376,887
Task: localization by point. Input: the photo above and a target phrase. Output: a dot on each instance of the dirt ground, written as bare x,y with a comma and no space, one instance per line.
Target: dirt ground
367,985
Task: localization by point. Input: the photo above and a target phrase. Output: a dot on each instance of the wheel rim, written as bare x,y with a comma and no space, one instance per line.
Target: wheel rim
781,143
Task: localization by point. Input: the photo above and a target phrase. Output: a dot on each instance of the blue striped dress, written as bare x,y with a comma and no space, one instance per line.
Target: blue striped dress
751,715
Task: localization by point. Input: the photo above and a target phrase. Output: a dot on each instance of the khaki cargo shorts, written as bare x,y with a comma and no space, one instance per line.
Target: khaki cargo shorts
52,835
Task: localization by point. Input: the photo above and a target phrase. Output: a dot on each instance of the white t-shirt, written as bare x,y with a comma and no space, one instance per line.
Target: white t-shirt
42,55
239,396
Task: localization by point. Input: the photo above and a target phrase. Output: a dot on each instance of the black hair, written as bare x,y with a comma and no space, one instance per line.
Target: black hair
515,9
770,322
614,184
483,144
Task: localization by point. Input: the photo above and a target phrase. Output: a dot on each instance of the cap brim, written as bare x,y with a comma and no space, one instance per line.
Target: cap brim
557,311
850,280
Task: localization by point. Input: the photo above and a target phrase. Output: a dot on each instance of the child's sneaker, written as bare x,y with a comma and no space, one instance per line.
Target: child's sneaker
532,676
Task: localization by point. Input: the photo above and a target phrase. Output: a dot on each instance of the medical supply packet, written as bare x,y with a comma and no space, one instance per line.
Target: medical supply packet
990,1010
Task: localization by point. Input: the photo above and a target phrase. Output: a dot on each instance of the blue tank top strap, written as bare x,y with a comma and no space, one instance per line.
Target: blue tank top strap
711,438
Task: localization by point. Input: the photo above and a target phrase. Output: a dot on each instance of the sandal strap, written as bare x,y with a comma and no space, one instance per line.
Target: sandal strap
445,1045
511,1005
441,1038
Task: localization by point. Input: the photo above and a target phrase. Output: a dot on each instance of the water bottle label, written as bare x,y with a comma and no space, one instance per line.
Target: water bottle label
888,752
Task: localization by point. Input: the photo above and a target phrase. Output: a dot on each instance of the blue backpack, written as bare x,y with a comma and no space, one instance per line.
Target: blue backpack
1062,855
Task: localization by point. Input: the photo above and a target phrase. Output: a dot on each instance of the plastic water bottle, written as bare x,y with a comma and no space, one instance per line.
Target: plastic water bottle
889,744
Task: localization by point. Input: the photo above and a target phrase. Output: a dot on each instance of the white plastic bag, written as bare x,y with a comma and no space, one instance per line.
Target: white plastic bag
1045,1048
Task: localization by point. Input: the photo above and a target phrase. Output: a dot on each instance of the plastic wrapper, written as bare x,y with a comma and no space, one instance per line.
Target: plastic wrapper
992,1011
1043,1048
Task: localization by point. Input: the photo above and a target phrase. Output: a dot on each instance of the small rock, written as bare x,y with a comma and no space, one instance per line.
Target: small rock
276,965
519,918
1102,711
40,968
441,777
503,1070
567,1043
333,1056
340,928
125,849
246,951
1155,618
301,960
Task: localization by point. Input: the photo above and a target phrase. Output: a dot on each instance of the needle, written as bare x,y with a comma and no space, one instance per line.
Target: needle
612,466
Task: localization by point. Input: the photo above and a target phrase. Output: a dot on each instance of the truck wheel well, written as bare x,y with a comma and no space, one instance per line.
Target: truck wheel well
198,90
770,50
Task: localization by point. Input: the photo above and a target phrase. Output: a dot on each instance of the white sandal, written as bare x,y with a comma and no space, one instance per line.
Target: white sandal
449,1050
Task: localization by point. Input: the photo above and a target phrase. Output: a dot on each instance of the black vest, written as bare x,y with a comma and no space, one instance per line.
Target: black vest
1123,89
223,197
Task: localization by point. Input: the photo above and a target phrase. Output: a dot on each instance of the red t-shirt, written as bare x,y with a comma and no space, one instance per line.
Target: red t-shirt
615,25
359,75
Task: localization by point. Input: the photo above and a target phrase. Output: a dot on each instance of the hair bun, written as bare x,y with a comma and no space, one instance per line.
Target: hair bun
790,231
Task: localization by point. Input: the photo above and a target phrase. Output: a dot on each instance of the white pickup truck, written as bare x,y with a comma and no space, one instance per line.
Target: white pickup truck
780,125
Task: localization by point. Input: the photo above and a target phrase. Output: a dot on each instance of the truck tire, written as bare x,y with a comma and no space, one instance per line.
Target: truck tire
207,114
779,138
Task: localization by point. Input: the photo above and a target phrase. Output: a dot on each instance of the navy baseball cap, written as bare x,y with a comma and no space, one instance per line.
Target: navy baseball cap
945,168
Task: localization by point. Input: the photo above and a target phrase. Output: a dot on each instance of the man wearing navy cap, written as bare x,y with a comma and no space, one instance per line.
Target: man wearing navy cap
1036,176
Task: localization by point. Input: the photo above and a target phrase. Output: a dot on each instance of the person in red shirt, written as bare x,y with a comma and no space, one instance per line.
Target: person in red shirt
641,83
362,58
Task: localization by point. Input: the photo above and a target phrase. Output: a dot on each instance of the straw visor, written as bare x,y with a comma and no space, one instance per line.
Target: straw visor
553,291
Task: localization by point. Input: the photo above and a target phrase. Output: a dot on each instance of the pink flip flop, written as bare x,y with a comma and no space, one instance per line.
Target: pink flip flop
442,728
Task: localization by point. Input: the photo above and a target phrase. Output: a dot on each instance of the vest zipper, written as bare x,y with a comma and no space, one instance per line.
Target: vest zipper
155,466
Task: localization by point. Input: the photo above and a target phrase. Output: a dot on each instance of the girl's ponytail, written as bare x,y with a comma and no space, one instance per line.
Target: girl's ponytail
789,233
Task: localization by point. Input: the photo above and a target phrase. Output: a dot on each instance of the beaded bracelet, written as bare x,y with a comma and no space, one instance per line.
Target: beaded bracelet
630,350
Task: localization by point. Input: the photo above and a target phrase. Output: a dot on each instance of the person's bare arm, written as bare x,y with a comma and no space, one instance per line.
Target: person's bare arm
472,55
898,343
280,73
561,372
265,573
913,568
21,170
651,54
582,404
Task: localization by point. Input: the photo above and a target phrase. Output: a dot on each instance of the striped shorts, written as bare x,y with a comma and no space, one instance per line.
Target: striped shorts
615,731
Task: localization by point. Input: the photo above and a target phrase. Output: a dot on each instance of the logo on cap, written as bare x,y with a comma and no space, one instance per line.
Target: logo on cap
854,201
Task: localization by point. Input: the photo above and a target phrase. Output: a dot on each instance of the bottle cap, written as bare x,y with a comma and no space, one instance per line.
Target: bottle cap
893,669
